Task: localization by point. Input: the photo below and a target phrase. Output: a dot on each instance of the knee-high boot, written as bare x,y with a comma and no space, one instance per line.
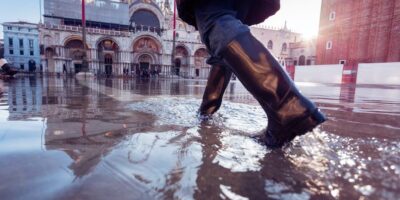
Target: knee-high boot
289,113
218,80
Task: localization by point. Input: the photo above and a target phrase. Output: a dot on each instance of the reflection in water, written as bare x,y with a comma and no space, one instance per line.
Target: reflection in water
141,139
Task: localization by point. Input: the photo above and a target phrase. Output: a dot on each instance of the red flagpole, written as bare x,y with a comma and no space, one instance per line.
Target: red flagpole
174,17
85,67
174,38
83,13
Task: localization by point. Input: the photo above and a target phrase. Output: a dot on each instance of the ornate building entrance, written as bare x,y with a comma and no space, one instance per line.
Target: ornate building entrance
146,52
107,53
75,53
108,61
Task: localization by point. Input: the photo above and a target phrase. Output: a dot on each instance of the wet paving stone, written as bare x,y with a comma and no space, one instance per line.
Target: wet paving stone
64,138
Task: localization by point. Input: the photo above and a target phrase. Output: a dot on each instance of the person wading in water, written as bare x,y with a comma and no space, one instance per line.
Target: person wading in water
223,27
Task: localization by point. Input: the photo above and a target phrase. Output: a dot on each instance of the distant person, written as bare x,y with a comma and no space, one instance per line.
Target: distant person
223,26
64,68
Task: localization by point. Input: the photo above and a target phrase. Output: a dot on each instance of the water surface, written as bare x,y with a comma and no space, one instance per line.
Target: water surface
140,139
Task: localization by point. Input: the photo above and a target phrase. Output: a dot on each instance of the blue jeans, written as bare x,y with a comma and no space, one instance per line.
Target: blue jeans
219,22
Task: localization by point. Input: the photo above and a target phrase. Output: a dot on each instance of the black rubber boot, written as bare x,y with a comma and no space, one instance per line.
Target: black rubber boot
218,80
290,114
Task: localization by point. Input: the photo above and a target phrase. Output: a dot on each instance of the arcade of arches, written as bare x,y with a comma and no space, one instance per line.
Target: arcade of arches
108,58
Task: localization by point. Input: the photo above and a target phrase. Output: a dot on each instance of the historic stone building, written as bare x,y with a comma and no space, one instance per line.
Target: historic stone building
138,41
302,52
21,45
359,31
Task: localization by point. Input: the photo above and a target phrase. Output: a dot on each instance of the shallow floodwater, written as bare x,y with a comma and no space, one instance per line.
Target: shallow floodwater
141,139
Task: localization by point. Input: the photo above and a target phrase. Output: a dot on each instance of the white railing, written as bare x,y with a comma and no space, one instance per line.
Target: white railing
98,30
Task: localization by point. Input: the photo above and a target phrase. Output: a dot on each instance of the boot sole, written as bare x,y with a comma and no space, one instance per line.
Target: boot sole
304,126
308,124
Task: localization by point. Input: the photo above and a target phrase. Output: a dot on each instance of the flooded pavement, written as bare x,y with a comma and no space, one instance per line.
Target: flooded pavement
140,139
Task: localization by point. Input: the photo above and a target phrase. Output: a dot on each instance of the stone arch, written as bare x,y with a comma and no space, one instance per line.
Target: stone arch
145,17
145,64
284,47
74,49
145,58
182,53
270,44
107,46
74,53
150,6
74,37
181,60
147,43
180,45
200,57
50,52
104,38
107,55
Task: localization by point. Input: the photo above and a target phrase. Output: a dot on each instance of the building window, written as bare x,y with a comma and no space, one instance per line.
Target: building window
329,45
10,42
21,43
342,62
31,43
270,45
308,62
21,52
11,52
29,30
9,28
22,66
332,16
284,47
31,53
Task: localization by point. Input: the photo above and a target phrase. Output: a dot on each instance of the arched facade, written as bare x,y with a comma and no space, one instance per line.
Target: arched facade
182,61
270,45
145,45
74,52
284,47
146,56
200,63
108,56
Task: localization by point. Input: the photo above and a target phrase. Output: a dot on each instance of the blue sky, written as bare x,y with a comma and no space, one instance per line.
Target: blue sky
19,10
301,16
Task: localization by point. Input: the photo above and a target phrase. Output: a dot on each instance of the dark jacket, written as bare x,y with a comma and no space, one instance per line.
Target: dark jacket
259,11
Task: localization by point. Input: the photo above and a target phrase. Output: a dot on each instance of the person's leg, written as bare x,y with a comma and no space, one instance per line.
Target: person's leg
289,112
218,80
